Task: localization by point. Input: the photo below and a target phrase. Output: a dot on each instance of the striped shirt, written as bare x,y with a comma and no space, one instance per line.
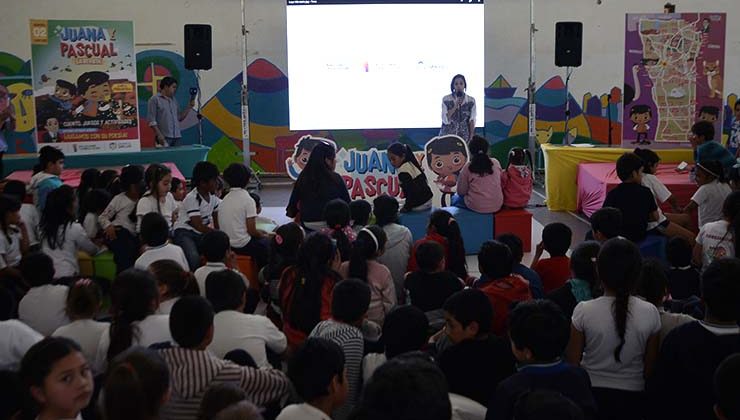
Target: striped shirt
192,372
194,205
351,341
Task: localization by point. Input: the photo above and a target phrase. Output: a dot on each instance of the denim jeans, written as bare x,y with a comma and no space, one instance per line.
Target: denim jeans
125,248
189,241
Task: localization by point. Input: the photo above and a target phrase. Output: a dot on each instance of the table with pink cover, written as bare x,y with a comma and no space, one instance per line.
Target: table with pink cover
72,176
596,179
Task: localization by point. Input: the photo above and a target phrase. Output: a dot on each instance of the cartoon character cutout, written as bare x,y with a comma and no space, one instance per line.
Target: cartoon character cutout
64,92
709,113
52,130
714,78
295,164
641,115
446,156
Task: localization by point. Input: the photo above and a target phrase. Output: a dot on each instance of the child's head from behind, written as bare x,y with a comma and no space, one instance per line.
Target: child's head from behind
154,229
286,242
218,397
495,260
317,371
237,175
678,252
96,201
16,189
720,290
350,301
653,282
408,387
359,211
51,160
708,171
468,314
37,269
430,256
9,211
136,385
701,132
57,376
650,160
629,168
515,246
316,252
83,300
131,179
215,246
205,177
385,209
404,329
442,223
225,290
727,388
158,179
336,214
518,156
191,322
172,280
583,263
556,238
606,223
539,331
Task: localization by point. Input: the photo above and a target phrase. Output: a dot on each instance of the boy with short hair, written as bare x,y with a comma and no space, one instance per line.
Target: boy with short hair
43,307
235,329
318,373
690,354
683,278
554,271
155,233
517,251
502,287
237,216
478,360
29,212
636,202
47,178
349,305
705,148
606,223
216,249
431,285
359,211
539,333
191,325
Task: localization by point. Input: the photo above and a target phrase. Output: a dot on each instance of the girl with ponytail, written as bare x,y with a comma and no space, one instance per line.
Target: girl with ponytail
306,288
368,246
411,178
173,283
584,283
721,238
136,386
615,337
443,229
337,217
134,300
479,182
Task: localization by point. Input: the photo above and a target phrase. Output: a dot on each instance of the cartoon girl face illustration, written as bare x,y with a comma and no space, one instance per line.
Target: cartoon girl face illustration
446,155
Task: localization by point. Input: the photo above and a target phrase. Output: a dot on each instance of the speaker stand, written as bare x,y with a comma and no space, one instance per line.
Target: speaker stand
568,73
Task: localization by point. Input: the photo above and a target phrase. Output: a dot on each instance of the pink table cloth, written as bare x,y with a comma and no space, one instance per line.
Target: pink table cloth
596,179
72,176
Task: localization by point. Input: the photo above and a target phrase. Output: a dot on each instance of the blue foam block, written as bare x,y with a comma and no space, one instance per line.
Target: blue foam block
653,246
476,228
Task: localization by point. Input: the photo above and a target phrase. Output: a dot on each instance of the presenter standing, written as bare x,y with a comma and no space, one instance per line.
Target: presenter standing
458,110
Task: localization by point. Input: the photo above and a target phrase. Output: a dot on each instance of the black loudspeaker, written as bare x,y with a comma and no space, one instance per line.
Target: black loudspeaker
568,44
198,47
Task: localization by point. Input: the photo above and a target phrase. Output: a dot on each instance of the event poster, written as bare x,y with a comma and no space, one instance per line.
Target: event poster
84,80
673,76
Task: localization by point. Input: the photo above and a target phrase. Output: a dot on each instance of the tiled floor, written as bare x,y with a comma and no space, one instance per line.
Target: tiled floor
275,198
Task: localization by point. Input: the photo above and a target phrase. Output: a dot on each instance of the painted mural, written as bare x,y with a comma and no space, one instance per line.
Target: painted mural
272,142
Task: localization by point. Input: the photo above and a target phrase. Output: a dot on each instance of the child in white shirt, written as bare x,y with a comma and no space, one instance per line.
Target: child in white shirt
158,198
95,203
154,233
29,213
199,209
118,220
711,193
61,237
219,257
13,234
43,307
83,304
173,282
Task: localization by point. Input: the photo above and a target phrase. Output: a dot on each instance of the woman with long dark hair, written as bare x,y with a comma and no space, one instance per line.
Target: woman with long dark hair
458,110
316,185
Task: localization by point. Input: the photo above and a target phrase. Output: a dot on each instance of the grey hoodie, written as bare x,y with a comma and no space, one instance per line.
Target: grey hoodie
396,255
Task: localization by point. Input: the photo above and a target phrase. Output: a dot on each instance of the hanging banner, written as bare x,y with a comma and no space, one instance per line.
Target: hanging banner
84,81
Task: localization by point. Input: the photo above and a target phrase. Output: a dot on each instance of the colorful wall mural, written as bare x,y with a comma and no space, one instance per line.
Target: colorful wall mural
272,141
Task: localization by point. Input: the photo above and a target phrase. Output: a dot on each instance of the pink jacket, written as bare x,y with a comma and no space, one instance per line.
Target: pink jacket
516,182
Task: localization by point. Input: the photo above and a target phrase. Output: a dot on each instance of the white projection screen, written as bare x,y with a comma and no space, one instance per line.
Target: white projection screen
381,64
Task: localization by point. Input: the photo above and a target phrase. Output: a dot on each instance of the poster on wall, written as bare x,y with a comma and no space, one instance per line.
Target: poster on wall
369,173
84,83
674,67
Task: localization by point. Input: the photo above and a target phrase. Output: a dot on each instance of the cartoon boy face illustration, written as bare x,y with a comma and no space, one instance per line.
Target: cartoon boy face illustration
52,125
98,93
641,120
62,93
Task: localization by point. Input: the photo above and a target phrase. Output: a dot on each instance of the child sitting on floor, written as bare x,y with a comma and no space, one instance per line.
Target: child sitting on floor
42,308
47,174
479,182
398,246
29,213
155,234
430,286
444,229
683,278
359,211
554,271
